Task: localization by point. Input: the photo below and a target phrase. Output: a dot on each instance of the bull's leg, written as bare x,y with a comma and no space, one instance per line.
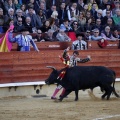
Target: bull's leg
109,92
104,95
76,95
65,94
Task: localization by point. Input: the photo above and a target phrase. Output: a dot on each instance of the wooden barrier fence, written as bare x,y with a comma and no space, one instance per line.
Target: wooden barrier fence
18,67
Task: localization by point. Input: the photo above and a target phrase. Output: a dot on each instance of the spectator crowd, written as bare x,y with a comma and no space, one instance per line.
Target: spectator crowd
99,20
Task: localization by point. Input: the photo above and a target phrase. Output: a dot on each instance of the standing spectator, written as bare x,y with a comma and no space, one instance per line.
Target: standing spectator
34,19
39,37
62,37
23,40
80,43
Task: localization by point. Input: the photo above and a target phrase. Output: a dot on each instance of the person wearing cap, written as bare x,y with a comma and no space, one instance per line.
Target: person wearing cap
23,40
96,35
68,61
107,34
79,44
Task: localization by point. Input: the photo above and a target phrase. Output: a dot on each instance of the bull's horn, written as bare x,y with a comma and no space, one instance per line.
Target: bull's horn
51,67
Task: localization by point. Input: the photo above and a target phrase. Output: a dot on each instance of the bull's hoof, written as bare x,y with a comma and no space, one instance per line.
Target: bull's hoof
76,99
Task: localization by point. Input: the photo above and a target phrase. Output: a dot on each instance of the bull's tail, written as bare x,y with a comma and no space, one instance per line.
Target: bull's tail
114,91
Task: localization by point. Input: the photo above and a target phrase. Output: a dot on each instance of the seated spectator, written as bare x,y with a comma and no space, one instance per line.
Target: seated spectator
3,21
62,12
87,35
108,8
94,9
19,14
18,25
50,36
28,24
62,36
79,44
17,4
73,11
39,37
66,26
110,23
23,40
117,6
98,25
88,25
99,16
34,19
23,8
11,14
9,4
96,36
75,27
116,35
90,4
50,11
116,18
81,21
54,21
46,26
41,16
107,34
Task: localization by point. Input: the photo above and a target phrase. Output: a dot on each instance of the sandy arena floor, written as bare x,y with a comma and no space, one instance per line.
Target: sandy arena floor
43,108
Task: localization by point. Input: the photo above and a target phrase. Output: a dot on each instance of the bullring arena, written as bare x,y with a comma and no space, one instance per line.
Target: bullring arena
19,100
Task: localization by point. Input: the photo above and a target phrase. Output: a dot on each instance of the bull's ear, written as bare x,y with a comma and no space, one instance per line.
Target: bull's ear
51,67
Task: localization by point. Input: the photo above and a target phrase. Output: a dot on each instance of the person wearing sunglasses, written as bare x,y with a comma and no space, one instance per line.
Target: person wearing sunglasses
39,36
96,35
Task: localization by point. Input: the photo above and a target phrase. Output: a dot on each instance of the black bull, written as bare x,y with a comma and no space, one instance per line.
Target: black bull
85,77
